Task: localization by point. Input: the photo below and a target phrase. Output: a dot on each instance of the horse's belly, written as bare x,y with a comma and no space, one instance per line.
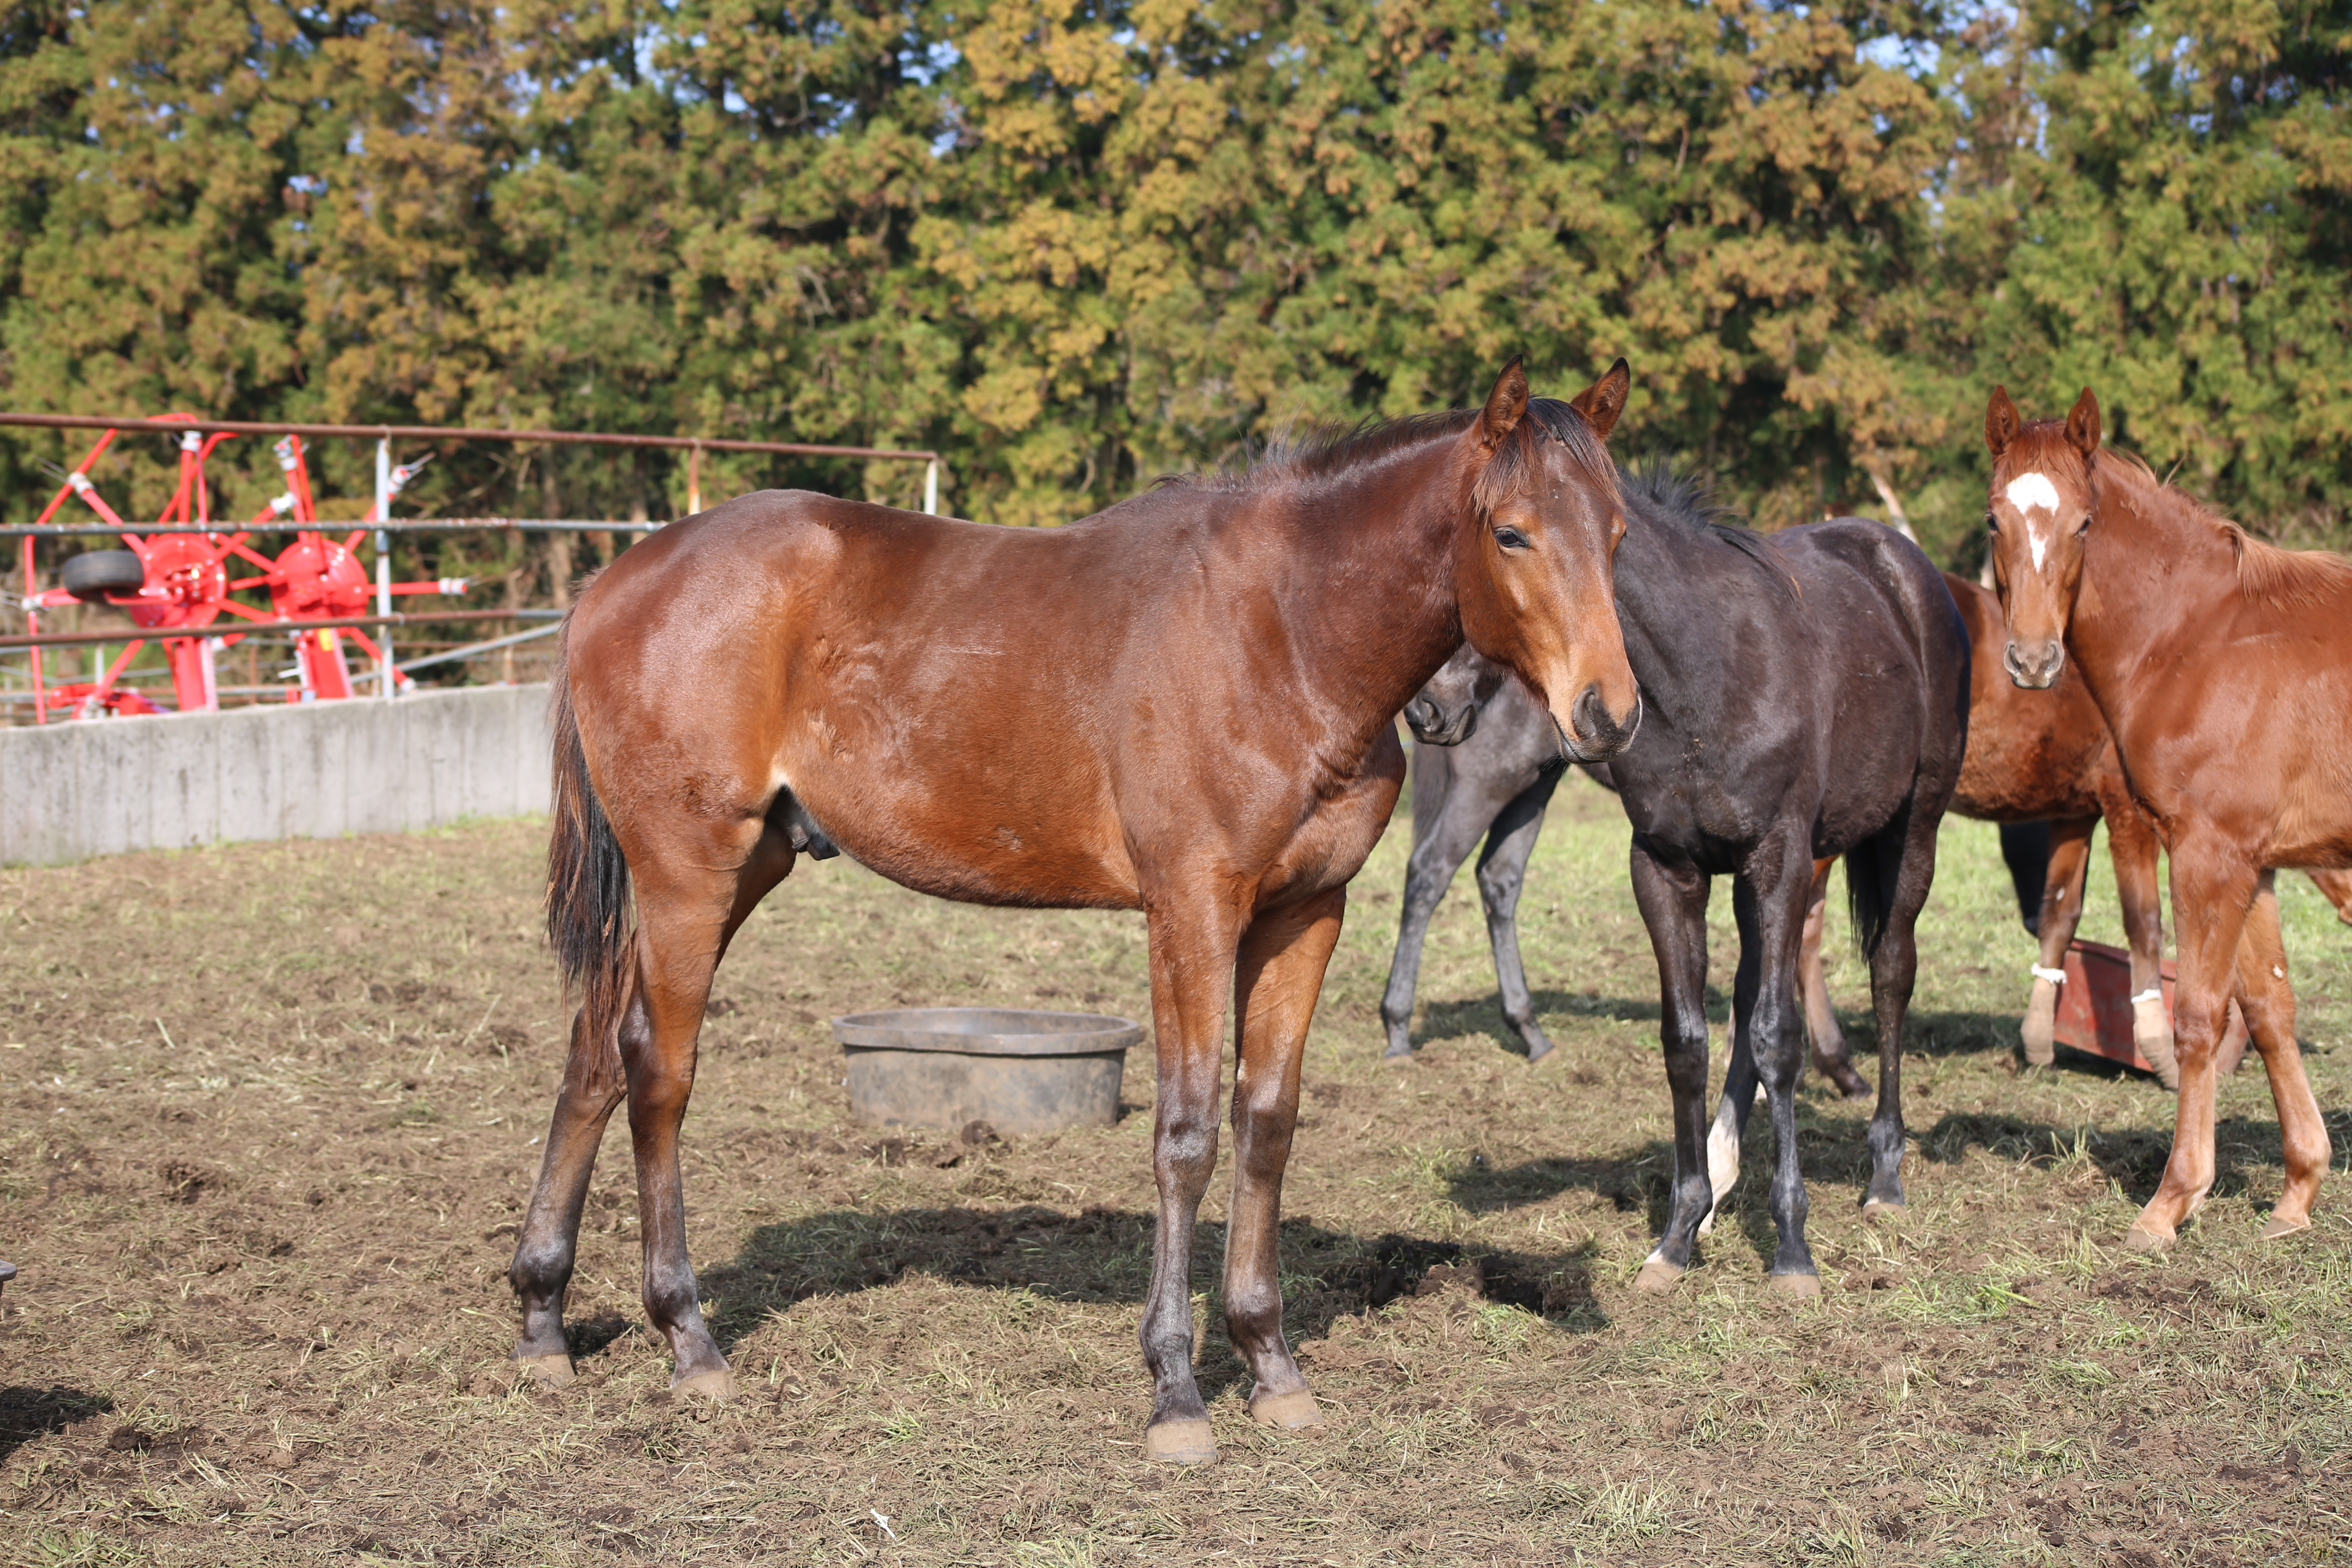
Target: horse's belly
974,848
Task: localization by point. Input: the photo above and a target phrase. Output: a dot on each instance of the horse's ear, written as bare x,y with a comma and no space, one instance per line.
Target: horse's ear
2001,422
1505,406
2083,424
1605,399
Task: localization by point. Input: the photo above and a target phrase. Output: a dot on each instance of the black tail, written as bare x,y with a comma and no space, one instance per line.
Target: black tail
2026,849
587,895
1871,869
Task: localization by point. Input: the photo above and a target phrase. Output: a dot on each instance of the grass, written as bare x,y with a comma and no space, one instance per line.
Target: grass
262,1316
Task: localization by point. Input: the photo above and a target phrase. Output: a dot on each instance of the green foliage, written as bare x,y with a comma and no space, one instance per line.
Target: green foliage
1075,243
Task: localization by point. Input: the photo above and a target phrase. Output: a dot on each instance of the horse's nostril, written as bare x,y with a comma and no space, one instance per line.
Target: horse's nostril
1597,733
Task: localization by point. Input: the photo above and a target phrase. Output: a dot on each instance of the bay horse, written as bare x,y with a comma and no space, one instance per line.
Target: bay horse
1183,705
1805,696
1487,769
2223,666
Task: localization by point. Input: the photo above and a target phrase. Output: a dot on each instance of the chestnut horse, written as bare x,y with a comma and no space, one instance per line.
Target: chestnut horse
1184,705
2223,666
2046,755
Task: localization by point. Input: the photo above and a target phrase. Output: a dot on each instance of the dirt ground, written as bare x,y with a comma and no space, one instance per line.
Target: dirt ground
271,1114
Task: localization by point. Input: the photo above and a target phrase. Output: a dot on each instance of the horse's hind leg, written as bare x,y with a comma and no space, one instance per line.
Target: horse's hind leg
1502,872
1742,1087
1769,900
2269,1003
2062,912
676,922
1277,978
544,1251
1893,970
688,912
1673,900
1826,1041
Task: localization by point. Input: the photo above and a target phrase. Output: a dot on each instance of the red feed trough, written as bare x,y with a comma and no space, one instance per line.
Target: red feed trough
2094,1008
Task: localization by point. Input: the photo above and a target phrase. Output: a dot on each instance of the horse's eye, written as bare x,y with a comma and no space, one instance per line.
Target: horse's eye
1993,522
1511,539
2082,527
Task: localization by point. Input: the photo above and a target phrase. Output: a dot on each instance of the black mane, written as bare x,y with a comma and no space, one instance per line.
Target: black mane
1678,495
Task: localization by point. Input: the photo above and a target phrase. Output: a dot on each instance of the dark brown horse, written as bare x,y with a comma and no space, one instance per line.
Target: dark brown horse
1807,699
2223,666
1184,706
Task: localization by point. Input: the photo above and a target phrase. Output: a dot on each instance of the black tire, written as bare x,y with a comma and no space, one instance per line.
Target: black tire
95,573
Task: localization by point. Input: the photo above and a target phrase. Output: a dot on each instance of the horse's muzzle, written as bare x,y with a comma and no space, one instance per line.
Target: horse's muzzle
2035,668
1591,735
1432,727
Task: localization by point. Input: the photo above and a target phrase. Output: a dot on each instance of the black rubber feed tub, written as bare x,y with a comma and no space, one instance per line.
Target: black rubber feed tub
1018,1072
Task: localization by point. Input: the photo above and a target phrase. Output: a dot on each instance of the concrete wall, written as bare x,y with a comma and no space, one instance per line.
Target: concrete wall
316,770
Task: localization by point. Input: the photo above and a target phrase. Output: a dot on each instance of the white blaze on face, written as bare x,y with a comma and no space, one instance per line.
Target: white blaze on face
2029,494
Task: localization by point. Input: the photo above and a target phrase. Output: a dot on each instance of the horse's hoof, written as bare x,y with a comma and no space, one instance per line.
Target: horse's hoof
1180,1443
1537,1050
1796,1287
1394,1058
2281,1226
1873,1208
1849,1084
718,1383
2137,1239
1657,1276
1290,1410
547,1371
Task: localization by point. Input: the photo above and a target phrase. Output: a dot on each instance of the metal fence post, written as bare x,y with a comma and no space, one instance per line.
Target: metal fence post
384,559
931,487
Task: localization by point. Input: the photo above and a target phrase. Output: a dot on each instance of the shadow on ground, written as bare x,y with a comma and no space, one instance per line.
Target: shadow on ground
1833,1146
1925,1034
29,1413
1104,1255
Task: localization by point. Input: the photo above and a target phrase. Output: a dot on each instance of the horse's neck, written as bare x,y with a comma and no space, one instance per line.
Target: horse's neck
1371,584
2152,572
1667,595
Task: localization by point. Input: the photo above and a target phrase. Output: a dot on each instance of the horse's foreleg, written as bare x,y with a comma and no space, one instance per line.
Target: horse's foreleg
1502,872
1827,1042
2062,912
1277,979
2213,887
542,1272
2269,1003
1673,901
1769,900
2132,844
1193,942
1428,872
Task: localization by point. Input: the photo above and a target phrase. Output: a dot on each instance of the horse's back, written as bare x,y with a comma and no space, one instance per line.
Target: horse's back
1895,670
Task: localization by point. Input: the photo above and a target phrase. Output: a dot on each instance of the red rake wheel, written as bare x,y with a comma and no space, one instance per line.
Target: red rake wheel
176,582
